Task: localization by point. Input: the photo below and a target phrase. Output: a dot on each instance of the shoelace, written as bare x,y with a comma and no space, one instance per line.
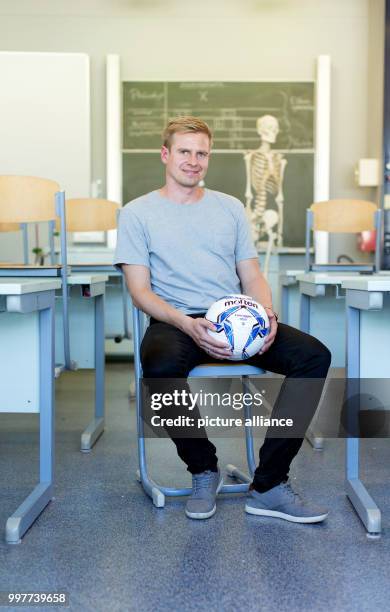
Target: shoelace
294,496
201,481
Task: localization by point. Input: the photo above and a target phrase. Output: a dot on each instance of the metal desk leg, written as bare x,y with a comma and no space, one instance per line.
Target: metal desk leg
304,321
316,441
96,426
30,509
366,508
285,300
126,309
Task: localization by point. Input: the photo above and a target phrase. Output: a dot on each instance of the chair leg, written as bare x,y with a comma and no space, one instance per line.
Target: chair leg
157,492
232,470
148,485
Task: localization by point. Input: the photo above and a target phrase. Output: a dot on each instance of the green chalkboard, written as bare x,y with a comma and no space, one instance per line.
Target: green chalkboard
144,173
231,109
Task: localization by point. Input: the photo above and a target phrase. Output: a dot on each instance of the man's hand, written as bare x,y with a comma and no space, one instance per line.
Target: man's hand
197,329
274,328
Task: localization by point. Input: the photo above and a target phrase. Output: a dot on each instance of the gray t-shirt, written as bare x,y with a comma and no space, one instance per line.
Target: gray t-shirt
191,249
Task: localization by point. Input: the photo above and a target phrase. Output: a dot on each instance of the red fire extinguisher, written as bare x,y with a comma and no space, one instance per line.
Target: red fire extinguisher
366,241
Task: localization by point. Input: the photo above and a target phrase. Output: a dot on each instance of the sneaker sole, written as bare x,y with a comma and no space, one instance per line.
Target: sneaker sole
205,515
286,517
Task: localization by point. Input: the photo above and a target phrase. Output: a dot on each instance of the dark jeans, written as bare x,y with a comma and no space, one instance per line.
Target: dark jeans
167,352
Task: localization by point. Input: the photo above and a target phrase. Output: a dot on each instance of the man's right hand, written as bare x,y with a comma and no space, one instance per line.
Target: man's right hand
197,329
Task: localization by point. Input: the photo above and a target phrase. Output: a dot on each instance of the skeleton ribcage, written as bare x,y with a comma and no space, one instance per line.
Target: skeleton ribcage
264,179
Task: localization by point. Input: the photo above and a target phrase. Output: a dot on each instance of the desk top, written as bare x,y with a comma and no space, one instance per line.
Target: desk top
283,250
106,267
87,279
21,266
30,271
327,278
292,272
19,286
368,283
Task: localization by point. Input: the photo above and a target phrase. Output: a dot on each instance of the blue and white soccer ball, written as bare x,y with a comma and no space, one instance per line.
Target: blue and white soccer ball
242,322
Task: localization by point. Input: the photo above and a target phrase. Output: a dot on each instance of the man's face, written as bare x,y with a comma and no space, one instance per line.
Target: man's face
187,160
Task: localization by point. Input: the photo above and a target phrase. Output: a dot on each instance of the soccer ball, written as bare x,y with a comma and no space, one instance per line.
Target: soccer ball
242,322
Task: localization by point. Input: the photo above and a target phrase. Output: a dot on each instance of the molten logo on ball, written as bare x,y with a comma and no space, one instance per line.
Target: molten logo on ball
242,322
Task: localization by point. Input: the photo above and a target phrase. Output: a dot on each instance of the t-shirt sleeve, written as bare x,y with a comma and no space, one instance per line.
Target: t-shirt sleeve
131,246
245,248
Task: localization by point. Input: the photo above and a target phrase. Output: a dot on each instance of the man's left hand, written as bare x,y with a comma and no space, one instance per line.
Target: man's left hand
274,328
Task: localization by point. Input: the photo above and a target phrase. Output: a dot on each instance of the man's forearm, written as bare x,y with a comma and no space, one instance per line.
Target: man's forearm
150,303
259,290
138,283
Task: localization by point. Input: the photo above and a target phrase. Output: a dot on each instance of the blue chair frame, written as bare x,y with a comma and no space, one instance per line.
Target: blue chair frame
155,491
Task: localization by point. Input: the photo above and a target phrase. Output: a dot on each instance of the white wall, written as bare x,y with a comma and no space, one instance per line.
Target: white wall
222,39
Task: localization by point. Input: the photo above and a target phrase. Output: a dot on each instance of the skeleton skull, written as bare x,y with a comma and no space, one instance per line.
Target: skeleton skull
268,128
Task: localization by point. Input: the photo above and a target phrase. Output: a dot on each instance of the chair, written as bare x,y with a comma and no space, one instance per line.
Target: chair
343,216
91,215
28,199
155,491
86,215
96,215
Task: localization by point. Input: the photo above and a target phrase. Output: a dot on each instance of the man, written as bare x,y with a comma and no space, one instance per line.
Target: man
181,248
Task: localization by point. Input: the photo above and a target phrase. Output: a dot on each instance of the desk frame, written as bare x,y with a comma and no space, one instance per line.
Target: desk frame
24,516
96,426
287,279
110,270
93,290
310,290
361,500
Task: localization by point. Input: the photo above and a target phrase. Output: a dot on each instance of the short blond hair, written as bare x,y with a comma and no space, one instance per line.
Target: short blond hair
184,125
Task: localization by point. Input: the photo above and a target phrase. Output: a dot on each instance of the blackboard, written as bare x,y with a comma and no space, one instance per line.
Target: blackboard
231,109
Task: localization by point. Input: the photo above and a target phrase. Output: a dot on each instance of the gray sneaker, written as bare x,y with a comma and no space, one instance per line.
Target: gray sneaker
205,486
282,502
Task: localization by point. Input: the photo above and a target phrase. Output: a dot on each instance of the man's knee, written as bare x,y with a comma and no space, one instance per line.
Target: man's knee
325,356
315,353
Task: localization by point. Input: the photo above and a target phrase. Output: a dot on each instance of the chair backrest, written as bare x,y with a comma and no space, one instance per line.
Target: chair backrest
91,215
27,199
343,216
30,199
